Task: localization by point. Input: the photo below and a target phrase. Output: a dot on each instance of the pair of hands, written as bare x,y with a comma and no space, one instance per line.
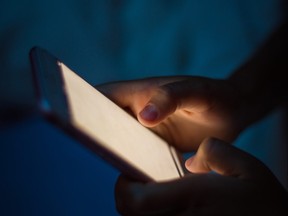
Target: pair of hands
184,111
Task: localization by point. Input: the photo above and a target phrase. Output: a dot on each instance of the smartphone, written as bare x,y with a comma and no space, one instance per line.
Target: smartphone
80,110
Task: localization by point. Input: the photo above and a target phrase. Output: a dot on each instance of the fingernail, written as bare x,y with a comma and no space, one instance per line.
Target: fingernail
149,113
189,161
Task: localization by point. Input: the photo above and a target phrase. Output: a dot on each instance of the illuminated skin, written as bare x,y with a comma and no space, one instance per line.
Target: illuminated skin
186,110
182,110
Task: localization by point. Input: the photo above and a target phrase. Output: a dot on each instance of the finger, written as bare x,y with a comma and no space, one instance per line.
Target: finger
225,159
136,198
122,194
193,94
169,198
134,94
122,92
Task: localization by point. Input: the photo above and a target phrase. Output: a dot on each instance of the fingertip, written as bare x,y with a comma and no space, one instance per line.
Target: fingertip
159,107
149,113
149,116
189,163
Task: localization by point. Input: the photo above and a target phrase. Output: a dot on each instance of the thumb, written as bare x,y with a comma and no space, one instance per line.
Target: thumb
192,94
222,158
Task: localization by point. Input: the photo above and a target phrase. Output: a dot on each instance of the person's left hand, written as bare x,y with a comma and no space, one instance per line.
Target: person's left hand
239,185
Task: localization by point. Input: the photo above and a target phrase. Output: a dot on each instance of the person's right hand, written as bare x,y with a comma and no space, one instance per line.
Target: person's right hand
183,110
239,185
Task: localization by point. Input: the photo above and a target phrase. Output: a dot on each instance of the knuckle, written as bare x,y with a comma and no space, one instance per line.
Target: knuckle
168,97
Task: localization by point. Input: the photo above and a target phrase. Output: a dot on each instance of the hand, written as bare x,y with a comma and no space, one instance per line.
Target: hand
240,185
183,110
